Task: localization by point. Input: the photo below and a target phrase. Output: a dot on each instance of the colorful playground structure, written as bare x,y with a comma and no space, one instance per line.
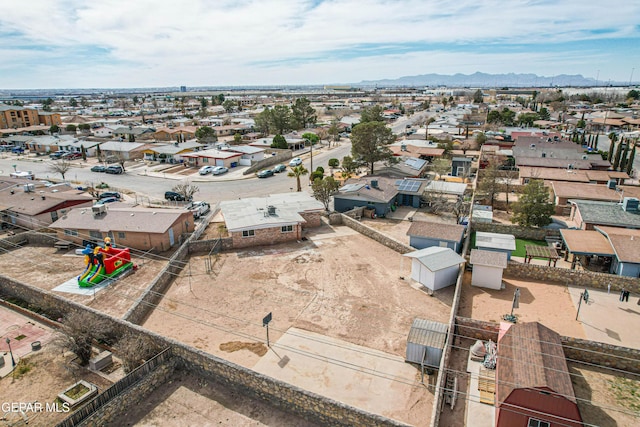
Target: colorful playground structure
103,263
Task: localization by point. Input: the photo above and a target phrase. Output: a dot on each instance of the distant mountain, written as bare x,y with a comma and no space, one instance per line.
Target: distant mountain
484,80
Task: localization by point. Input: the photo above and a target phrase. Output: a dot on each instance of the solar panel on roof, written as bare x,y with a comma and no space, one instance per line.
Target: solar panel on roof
409,185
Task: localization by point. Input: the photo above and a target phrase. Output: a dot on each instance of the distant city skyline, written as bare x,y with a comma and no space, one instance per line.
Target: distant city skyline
146,43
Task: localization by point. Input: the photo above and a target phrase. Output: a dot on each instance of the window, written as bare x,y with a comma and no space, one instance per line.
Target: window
121,235
248,233
537,423
54,215
70,232
287,228
95,234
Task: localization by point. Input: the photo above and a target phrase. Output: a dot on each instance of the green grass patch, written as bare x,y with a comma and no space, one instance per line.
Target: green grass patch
521,243
626,392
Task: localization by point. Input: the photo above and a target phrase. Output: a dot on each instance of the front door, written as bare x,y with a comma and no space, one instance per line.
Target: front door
171,238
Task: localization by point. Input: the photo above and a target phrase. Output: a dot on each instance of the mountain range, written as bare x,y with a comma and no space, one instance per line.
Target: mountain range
486,80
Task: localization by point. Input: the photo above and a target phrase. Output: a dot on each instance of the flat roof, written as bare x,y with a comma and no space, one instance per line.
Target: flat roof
586,242
495,241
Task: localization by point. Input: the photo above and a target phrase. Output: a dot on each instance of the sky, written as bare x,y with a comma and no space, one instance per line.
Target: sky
48,44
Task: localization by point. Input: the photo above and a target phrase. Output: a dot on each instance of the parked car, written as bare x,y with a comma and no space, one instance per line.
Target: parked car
173,196
296,161
279,168
72,156
98,168
58,154
206,170
110,194
107,200
114,169
219,170
17,150
265,173
199,208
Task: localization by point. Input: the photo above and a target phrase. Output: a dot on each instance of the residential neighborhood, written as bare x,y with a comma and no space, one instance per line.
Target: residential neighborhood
426,256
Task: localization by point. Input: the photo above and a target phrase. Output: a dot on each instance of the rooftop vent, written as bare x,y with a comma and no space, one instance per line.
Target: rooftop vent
611,184
98,210
403,147
271,210
630,204
374,183
28,188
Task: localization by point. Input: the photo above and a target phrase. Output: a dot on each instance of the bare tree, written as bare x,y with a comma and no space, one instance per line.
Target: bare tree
186,188
134,350
61,166
79,330
441,166
489,183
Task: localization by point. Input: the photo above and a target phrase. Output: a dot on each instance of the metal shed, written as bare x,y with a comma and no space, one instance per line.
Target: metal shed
425,343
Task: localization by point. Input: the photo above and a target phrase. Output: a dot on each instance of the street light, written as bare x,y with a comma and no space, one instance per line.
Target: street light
13,361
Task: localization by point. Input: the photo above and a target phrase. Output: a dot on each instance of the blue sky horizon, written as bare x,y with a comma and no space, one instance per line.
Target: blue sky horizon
146,43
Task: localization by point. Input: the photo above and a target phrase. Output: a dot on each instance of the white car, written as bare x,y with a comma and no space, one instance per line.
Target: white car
206,169
219,170
199,208
296,161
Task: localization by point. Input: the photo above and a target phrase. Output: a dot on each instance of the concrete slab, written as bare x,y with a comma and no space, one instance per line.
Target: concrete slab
71,287
477,414
368,379
607,319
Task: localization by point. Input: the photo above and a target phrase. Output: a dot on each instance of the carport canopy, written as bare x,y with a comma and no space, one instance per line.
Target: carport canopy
586,242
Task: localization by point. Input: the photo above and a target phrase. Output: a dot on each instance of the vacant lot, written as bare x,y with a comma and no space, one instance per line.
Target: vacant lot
46,268
338,283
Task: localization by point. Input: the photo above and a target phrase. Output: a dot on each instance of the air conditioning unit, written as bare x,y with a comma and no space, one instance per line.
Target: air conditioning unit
98,209
29,188
271,210
630,204
611,184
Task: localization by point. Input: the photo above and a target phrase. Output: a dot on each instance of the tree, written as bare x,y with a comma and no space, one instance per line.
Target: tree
206,134
478,97
186,188
623,159
544,114
349,166
84,127
441,166
73,103
372,114
633,94
61,166
71,128
237,138
46,104
616,160
527,119
311,137
370,142
54,129
296,172
334,131
426,127
83,151
279,142
204,103
533,208
489,183
481,138
281,119
263,122
229,105
333,163
98,153
317,174
135,349
78,331
630,161
303,115
323,189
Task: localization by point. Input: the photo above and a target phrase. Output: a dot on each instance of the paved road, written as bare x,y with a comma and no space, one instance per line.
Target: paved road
223,188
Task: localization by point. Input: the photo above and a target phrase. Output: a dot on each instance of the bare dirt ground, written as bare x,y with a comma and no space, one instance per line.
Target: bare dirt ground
187,399
338,283
46,268
49,372
549,304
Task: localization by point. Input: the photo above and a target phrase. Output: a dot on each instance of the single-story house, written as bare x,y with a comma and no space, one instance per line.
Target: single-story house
250,154
446,188
570,174
213,157
407,167
496,242
121,149
104,131
626,248
28,204
179,133
378,193
564,191
585,243
588,213
145,229
268,220
48,144
532,376
170,153
424,234
488,267
435,267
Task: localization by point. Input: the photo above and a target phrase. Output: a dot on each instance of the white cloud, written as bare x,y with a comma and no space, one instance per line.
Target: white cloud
220,42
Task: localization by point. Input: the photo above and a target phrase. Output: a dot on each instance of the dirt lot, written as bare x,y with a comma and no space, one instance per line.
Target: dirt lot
549,304
48,373
188,400
338,283
46,268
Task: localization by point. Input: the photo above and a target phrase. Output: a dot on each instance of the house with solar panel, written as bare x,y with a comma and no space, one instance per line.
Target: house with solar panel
379,193
406,167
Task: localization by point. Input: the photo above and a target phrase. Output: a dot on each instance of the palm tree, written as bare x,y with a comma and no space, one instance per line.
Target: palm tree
297,172
426,127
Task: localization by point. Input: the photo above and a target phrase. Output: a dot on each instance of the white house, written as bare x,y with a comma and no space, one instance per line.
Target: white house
435,267
496,242
488,267
249,154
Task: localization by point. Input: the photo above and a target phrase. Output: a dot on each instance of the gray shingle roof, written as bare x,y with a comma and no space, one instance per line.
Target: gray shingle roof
607,213
436,230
